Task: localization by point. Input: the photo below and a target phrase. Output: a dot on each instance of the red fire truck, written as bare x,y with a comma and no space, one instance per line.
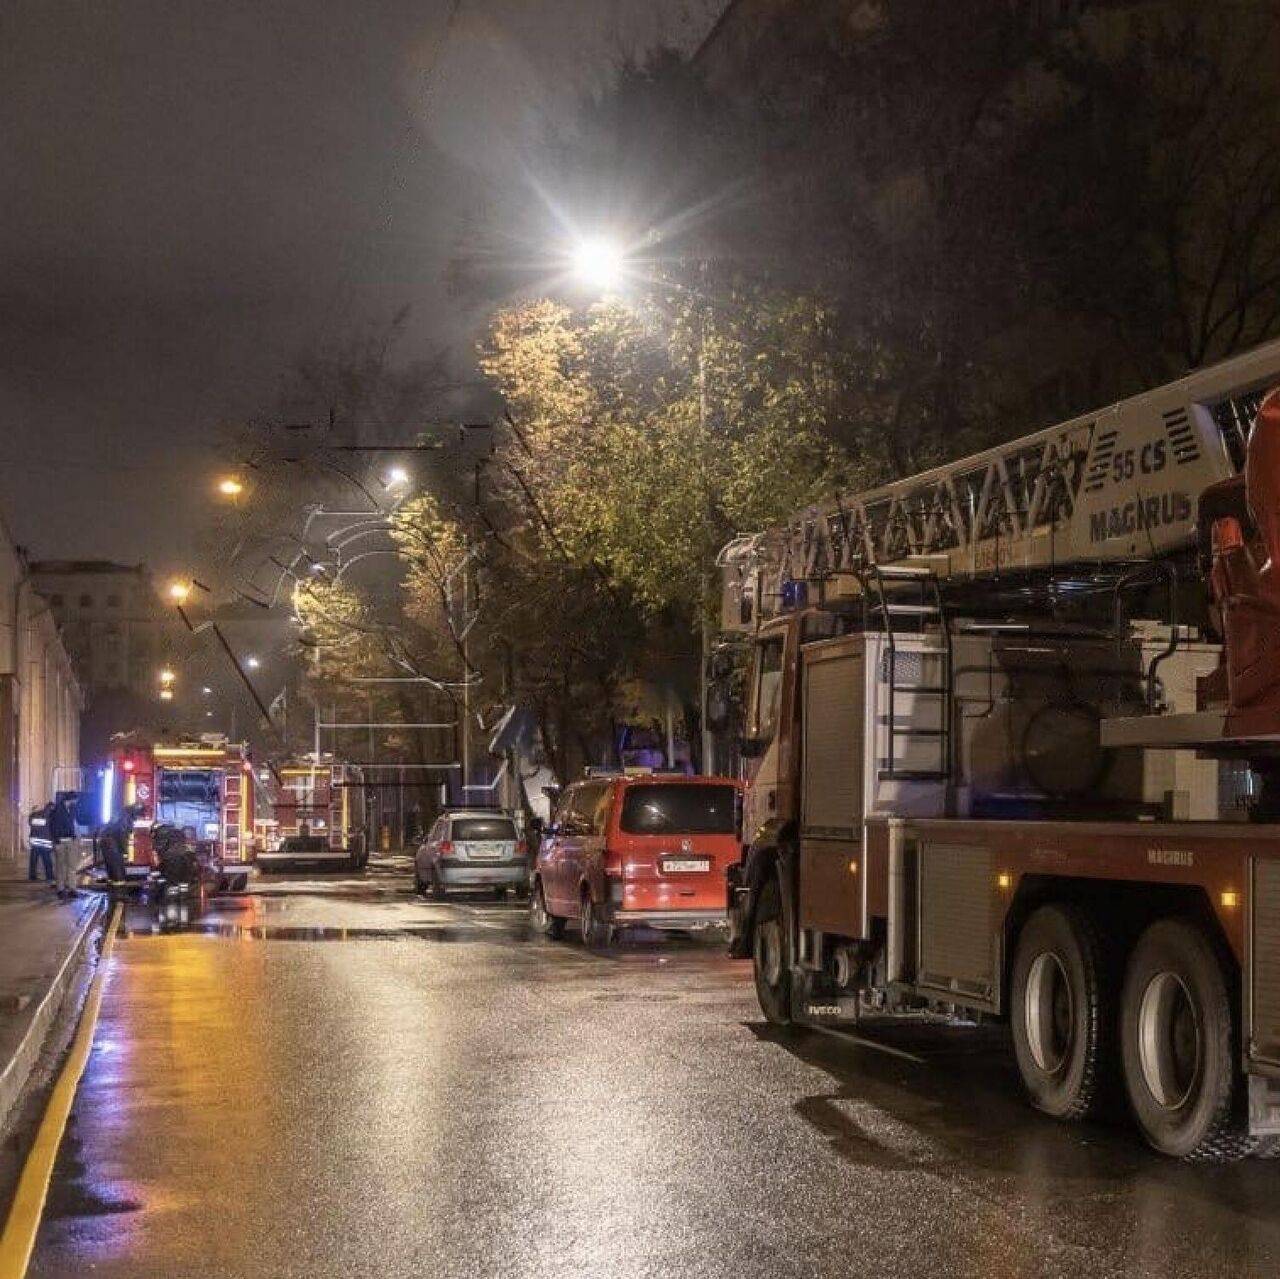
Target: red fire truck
204,787
1013,741
319,818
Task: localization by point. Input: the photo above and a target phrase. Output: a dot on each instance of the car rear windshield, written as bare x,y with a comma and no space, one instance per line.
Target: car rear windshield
475,829
678,810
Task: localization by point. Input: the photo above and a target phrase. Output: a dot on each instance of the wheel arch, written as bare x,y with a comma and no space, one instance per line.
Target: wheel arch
1124,908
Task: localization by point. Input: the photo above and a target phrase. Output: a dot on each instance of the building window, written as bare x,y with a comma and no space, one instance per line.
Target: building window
86,601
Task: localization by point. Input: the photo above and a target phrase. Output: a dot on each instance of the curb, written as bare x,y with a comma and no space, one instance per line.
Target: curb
17,1070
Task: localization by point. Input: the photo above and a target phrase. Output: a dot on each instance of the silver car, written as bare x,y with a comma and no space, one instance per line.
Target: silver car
469,849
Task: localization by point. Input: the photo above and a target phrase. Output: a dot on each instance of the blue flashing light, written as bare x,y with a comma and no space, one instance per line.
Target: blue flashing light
794,594
108,789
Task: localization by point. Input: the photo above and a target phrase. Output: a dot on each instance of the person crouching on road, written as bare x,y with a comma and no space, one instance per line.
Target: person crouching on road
113,842
40,842
62,830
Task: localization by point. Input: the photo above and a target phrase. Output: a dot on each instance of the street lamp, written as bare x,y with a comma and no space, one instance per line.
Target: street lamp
252,663
166,694
396,477
167,676
178,592
230,487
598,263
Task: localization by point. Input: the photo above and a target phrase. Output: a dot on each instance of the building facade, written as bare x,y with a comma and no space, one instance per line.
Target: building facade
41,701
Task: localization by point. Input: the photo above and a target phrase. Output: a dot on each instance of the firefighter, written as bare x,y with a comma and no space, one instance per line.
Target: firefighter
62,831
40,842
113,843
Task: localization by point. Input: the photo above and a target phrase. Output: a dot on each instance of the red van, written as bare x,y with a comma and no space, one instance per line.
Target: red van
638,850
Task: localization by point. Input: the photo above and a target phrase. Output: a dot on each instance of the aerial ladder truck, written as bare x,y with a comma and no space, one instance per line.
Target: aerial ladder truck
1012,736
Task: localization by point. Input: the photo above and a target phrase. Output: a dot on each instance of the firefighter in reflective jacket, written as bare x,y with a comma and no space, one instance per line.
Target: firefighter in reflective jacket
40,841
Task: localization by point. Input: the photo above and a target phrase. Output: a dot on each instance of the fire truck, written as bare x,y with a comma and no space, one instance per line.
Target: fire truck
1013,744
203,786
319,818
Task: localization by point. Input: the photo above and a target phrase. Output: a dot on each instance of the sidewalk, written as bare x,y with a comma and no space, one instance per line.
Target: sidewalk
43,943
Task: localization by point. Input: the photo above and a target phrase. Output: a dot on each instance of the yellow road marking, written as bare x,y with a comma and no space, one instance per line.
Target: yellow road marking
19,1236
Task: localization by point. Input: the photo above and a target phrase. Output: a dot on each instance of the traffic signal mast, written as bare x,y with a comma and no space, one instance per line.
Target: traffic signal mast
1011,741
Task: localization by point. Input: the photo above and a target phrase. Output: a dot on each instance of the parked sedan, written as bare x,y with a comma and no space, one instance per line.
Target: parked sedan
470,849
637,851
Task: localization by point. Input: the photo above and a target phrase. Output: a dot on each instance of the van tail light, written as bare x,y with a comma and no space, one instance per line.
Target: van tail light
446,847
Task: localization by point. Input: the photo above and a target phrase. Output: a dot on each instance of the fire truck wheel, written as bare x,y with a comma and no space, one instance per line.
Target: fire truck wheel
543,920
770,957
1177,1041
1059,1011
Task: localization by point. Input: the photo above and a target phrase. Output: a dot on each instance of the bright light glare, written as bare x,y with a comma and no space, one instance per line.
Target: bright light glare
252,663
599,264
167,676
396,476
166,694
207,691
178,591
230,487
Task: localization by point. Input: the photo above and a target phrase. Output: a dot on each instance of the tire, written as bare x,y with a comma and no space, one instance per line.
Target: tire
1061,1012
544,921
771,954
522,892
1178,1045
595,928
500,892
418,886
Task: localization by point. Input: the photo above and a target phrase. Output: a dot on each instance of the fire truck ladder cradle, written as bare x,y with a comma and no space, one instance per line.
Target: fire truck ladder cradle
918,616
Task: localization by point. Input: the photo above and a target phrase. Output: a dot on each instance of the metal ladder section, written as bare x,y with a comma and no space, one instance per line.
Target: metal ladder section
928,609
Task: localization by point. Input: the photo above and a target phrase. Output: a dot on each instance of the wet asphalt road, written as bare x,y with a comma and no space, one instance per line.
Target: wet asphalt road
330,1077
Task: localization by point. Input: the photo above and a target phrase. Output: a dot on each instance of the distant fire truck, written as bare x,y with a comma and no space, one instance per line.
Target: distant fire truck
204,787
319,818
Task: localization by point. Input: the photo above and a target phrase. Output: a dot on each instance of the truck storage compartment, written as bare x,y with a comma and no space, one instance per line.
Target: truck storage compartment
958,949
1264,947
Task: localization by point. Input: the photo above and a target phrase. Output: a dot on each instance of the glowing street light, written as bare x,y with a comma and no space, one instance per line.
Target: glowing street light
167,676
178,592
207,691
396,477
166,694
252,663
598,263
230,487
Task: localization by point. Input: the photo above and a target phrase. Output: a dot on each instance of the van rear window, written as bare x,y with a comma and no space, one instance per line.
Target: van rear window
476,829
678,810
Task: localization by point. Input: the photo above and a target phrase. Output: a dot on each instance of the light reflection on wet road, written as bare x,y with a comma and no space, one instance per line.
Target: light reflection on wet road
333,1078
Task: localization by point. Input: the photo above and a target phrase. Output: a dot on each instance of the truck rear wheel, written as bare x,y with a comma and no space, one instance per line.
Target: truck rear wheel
1060,1012
771,954
1177,1038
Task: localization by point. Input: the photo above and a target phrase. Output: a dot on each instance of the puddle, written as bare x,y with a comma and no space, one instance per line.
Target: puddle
292,932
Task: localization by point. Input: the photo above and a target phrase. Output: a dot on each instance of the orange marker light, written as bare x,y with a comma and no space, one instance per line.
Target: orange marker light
853,868
1004,880
1230,899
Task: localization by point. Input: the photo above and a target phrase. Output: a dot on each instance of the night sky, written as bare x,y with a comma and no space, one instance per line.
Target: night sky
195,191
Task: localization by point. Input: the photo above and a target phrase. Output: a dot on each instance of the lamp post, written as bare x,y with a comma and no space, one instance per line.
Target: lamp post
604,265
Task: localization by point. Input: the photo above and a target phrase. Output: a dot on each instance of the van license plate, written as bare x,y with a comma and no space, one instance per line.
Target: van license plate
686,865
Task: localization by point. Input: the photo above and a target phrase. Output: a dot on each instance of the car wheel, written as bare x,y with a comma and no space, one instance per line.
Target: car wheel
500,892
595,928
522,892
1177,1043
543,920
418,886
1061,1016
770,955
